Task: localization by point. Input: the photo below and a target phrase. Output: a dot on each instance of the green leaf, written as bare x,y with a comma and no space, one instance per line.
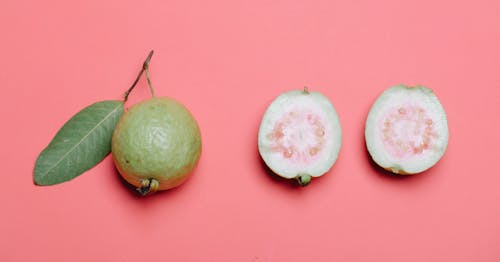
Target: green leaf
79,145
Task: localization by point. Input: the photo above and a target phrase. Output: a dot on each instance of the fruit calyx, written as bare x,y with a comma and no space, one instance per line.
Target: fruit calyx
303,179
145,68
148,186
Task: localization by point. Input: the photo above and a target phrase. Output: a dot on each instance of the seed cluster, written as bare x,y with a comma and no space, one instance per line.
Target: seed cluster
408,131
298,136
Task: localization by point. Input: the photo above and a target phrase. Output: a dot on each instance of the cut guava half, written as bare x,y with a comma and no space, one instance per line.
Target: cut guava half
406,130
300,135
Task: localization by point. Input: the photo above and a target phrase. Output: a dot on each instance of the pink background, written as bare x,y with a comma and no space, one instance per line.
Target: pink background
226,61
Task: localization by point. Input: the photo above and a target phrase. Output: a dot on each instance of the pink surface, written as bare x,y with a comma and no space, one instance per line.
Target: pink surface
226,60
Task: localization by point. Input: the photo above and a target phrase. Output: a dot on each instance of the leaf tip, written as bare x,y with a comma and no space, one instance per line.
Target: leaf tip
36,179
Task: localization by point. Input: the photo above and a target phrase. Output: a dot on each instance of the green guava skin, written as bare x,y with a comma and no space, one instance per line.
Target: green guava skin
156,139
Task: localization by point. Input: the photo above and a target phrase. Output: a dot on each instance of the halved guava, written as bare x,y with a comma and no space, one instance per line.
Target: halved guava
406,130
300,135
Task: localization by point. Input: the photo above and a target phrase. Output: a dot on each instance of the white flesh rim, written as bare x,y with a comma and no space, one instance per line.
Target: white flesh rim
406,130
300,135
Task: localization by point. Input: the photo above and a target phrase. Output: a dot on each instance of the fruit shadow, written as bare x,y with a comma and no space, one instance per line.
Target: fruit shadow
273,177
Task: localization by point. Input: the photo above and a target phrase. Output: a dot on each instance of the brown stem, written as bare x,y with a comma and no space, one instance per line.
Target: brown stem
145,67
148,186
149,82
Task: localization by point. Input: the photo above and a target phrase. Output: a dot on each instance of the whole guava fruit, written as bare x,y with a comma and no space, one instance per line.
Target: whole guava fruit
156,144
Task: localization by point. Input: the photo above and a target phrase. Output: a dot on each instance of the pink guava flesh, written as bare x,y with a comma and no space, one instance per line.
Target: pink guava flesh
298,136
407,131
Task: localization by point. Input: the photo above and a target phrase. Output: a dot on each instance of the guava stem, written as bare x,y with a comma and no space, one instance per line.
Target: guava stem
304,179
306,90
148,186
153,186
145,67
149,82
